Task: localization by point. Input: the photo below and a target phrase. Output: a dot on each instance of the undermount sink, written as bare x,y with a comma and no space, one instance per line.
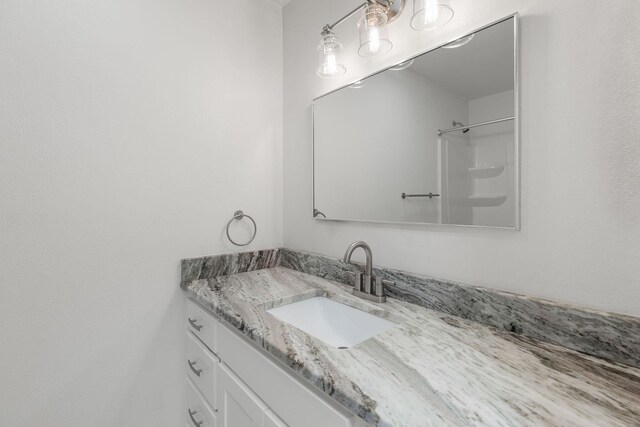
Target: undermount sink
337,324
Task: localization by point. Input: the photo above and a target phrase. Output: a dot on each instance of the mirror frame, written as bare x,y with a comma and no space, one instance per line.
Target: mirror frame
516,151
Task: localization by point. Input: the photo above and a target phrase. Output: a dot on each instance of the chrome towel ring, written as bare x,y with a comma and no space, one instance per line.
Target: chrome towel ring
239,215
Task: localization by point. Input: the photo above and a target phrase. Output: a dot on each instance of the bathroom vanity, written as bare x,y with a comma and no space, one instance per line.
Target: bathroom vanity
231,383
246,367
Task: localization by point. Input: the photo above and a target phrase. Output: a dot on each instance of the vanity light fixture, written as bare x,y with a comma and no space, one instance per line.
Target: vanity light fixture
373,31
328,50
374,35
374,39
430,14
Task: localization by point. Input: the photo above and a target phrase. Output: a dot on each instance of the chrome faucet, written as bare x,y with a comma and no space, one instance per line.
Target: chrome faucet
363,285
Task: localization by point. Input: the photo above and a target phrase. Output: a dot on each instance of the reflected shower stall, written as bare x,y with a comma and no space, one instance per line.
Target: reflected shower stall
476,166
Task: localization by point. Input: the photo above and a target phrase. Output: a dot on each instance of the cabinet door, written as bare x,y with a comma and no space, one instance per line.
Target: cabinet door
272,420
237,405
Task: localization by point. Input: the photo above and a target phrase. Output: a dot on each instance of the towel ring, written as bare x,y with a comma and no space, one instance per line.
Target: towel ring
238,215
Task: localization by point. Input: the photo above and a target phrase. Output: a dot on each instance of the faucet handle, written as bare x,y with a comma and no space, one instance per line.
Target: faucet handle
356,279
387,282
380,283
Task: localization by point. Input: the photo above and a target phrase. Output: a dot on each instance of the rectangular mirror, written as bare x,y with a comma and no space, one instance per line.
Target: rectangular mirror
433,140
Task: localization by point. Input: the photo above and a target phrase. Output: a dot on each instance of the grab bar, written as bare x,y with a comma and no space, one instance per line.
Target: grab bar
430,195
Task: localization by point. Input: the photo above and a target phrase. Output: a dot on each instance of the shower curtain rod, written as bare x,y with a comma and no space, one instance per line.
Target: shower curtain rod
490,122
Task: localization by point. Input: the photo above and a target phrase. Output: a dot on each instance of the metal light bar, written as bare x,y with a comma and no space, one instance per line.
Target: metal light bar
393,8
345,17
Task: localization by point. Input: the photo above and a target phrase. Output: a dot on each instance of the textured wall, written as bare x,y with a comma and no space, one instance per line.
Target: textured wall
130,131
580,103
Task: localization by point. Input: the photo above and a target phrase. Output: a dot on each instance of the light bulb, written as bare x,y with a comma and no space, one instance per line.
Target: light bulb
430,12
328,51
374,40
332,63
374,35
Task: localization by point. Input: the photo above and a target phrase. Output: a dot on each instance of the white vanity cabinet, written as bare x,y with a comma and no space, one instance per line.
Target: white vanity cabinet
231,383
239,406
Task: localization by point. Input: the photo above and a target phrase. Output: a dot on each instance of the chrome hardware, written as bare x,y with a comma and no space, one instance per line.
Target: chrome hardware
464,128
370,297
237,216
430,195
316,213
194,325
381,283
195,371
195,422
356,280
369,257
367,281
392,8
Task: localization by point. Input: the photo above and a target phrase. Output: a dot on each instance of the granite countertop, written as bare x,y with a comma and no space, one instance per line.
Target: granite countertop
431,369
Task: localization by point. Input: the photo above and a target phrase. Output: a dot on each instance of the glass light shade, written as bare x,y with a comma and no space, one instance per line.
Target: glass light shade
430,14
403,65
328,51
374,35
460,42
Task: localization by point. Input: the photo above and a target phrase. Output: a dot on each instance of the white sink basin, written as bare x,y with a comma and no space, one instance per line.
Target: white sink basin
337,324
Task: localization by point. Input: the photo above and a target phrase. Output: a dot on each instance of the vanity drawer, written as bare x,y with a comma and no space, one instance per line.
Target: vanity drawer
199,413
201,368
202,323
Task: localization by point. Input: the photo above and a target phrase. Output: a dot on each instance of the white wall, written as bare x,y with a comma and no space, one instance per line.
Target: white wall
130,131
580,103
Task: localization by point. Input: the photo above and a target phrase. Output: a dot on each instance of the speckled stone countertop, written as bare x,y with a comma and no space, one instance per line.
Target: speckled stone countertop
431,369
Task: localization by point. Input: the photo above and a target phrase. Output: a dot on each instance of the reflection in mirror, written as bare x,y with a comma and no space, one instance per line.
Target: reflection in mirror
430,140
